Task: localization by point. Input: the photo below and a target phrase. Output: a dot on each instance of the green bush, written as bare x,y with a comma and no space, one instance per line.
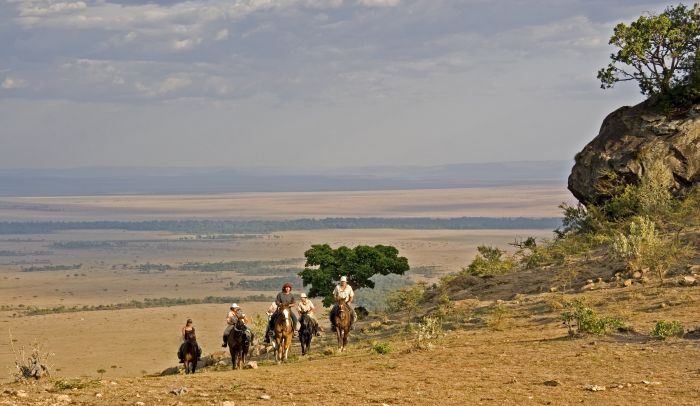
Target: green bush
490,261
664,329
406,299
580,319
643,247
382,348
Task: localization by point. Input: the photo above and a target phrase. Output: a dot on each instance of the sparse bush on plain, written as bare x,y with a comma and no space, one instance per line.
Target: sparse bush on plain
426,333
499,317
30,365
664,329
491,261
382,348
643,247
580,319
406,299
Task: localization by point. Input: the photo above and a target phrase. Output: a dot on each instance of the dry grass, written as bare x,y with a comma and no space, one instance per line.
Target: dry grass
472,365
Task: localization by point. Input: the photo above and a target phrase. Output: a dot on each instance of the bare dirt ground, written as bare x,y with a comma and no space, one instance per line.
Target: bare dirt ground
531,201
481,362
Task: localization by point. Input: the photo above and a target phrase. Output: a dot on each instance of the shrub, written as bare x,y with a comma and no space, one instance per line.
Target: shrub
406,299
490,261
664,329
576,314
643,247
33,365
499,314
426,332
382,348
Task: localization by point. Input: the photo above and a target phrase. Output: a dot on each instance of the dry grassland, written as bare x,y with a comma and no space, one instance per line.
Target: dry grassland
530,201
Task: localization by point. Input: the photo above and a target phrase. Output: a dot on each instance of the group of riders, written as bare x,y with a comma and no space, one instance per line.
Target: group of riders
285,299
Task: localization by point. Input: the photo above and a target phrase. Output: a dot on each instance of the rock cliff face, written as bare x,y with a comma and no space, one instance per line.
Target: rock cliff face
630,139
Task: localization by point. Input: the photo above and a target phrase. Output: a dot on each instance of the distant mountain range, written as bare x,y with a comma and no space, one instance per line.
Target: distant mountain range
157,180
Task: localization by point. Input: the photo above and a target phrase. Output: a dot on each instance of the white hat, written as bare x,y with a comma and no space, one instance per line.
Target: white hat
303,295
343,278
234,306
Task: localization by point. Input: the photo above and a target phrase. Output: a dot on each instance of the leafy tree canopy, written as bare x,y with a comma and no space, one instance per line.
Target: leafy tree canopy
325,266
657,51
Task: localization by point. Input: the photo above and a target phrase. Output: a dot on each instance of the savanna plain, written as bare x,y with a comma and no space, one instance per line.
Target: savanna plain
107,306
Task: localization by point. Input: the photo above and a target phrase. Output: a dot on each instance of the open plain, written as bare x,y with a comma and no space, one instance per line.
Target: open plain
116,267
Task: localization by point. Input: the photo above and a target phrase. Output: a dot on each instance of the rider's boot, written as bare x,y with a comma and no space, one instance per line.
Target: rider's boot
267,337
225,341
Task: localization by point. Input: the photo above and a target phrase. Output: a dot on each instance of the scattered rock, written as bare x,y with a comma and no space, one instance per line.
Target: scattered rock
250,365
62,398
21,394
651,383
179,391
589,281
375,325
693,268
594,388
139,403
228,403
552,382
265,397
98,395
637,275
628,282
688,281
589,286
170,371
553,289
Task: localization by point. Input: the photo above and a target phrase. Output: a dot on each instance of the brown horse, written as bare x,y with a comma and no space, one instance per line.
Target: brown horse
239,343
342,321
189,352
284,332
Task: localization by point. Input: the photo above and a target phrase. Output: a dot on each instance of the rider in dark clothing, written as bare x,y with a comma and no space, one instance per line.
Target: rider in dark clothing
283,298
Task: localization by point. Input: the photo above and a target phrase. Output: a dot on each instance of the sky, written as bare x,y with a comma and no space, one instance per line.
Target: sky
304,83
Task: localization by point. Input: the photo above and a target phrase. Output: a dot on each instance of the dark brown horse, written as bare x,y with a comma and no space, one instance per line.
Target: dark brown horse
189,352
239,343
284,332
342,321
307,329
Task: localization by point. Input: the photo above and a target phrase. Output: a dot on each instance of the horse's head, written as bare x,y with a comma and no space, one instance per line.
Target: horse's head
342,304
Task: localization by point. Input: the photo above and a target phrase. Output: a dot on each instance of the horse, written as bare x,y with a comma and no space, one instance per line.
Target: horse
342,322
237,345
307,330
284,332
189,352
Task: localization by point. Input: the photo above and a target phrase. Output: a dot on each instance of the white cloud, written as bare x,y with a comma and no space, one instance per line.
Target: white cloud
379,3
13,83
221,34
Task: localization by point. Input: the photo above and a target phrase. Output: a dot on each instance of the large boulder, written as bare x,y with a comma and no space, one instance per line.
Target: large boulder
630,139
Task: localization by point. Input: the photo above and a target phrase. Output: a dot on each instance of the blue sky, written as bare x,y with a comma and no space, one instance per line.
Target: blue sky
303,83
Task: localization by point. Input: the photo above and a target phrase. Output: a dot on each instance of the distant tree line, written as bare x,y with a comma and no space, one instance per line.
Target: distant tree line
52,268
146,303
267,226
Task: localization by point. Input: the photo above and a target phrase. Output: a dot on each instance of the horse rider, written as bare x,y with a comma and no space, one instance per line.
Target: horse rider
305,306
188,328
284,298
234,314
270,312
343,291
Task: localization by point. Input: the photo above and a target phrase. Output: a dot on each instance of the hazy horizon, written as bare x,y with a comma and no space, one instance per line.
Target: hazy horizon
303,83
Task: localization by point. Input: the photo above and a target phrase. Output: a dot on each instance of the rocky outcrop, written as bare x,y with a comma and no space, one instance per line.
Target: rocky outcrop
630,139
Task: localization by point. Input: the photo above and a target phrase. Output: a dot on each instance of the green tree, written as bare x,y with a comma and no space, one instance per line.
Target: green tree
656,51
325,266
